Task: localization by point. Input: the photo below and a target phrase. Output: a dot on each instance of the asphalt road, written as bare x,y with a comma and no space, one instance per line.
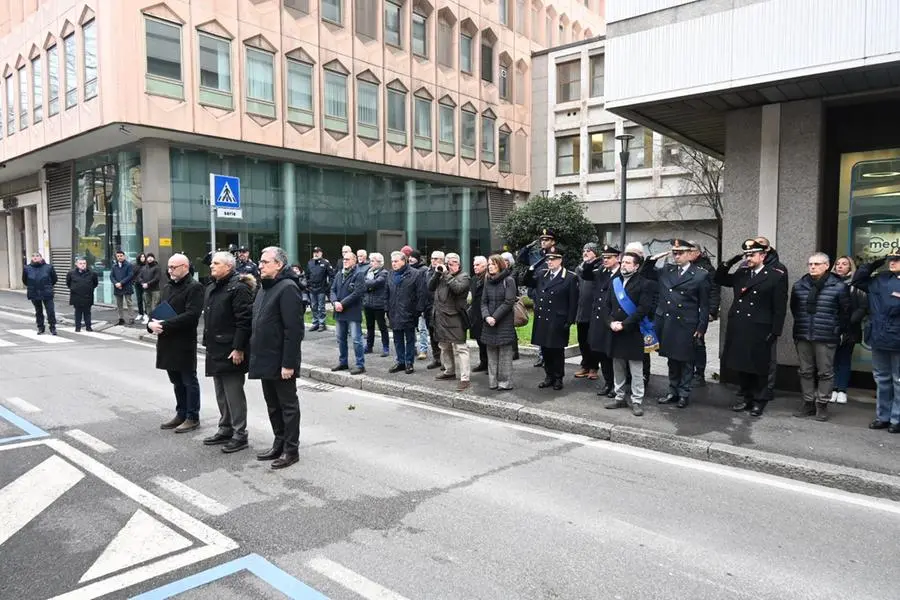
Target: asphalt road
391,500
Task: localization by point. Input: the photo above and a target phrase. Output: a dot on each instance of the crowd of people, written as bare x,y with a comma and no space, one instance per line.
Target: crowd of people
624,305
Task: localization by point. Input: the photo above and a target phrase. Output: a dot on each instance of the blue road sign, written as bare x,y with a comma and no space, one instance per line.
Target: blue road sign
226,192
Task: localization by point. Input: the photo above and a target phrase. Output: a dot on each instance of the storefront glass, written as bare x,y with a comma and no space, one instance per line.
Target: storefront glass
107,212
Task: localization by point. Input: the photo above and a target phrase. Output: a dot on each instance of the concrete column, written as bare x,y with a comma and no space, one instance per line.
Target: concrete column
769,159
466,228
156,196
28,214
13,255
411,213
6,271
289,212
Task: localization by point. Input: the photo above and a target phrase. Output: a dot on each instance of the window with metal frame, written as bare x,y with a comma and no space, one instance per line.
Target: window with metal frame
336,101
71,72
333,11
422,127
446,130
568,155
467,139
488,124
164,74
465,53
367,109
597,75
260,76
215,70
23,98
89,31
393,28
37,89
300,92
420,35
396,116
603,152
568,81
53,80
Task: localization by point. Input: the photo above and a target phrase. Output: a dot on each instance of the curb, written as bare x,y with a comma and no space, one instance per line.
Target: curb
835,476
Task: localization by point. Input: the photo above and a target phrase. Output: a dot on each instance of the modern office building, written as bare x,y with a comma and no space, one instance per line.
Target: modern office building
573,149
372,123
801,98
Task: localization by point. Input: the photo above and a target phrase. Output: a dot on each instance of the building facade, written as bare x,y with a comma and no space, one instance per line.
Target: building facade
367,122
574,150
801,99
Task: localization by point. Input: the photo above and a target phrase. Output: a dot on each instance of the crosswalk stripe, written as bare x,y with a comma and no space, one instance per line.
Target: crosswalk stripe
43,338
93,334
6,344
90,441
22,405
42,486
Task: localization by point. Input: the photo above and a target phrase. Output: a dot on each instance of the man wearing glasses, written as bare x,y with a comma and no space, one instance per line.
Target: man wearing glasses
176,348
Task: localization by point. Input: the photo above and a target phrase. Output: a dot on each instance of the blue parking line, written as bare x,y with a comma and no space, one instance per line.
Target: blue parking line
31,430
254,563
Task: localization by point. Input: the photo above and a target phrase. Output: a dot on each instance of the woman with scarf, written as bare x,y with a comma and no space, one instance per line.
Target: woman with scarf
498,331
845,268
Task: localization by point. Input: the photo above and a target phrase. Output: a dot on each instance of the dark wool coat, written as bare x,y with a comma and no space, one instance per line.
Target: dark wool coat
756,317
587,289
859,308
152,276
475,320
81,286
376,288
227,317
349,290
39,279
404,298
176,346
555,307
627,344
499,297
277,327
123,274
451,316
682,309
832,316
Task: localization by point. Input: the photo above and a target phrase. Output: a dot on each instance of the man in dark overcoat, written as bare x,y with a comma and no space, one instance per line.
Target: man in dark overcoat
176,348
533,256
479,271
82,282
555,308
629,301
682,314
601,275
755,320
404,305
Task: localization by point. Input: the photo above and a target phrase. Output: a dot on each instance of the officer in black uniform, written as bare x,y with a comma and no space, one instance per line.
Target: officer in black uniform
755,320
533,256
243,264
682,314
555,308
601,278
701,259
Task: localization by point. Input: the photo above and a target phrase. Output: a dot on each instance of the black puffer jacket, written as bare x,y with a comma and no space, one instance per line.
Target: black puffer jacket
227,315
404,298
832,316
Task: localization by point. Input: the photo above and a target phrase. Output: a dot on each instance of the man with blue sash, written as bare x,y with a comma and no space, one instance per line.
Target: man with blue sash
682,315
625,312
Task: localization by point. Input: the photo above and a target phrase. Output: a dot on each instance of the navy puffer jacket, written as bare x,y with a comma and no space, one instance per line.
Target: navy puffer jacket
832,316
39,278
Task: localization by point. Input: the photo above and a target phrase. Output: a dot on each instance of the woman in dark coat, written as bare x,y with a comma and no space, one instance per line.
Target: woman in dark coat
845,268
140,265
498,330
82,282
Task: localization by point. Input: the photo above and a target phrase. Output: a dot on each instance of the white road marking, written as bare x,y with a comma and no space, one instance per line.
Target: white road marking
22,405
143,538
352,580
189,494
735,473
44,338
5,344
90,441
92,334
13,315
28,496
138,343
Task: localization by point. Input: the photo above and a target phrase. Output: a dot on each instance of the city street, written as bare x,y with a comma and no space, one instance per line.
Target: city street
391,500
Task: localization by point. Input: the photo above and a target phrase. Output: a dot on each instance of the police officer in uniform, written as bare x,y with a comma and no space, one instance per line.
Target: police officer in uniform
243,264
701,260
555,308
755,320
682,314
533,256
601,278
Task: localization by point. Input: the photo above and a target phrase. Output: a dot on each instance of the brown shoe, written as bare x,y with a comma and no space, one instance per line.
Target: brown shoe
172,424
582,374
592,375
445,376
188,425
285,460
463,386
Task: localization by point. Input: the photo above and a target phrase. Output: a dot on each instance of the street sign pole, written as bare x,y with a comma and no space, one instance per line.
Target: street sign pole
212,213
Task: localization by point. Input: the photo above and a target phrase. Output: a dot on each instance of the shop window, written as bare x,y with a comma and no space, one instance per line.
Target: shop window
215,71
89,30
53,81
163,77
260,82
568,155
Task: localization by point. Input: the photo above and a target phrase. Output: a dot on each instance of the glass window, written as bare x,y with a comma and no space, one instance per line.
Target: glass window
671,156
487,139
445,43
367,109
504,150
332,11
53,80
37,89
520,16
503,8
467,134
335,101
487,62
71,73
603,152
23,98
641,148
396,116
215,63
392,33
300,92
163,59
535,22
423,123
420,35
260,82
447,134
503,84
568,155
10,105
90,59
568,79
465,53
366,18
597,69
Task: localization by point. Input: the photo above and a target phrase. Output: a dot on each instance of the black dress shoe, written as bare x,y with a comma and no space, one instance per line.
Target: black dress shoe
515,356
410,369
545,383
396,368
558,385
606,391
876,424
757,409
218,438
539,364
340,368
741,405
271,454
480,369
234,446
357,370
368,351
894,428
285,460
435,364
314,328
668,399
682,402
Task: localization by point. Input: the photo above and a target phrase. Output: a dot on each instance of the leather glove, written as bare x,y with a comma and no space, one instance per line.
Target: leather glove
735,260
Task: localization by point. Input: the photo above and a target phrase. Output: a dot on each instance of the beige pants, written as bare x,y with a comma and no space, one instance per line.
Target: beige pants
455,359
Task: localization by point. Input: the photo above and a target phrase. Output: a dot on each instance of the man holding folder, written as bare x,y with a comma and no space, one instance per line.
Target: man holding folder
175,321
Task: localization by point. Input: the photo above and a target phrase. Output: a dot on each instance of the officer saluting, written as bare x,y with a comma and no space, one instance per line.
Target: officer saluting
755,320
682,314
555,308
533,256
598,333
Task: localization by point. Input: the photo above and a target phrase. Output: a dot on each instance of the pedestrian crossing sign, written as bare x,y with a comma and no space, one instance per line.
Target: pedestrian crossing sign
226,192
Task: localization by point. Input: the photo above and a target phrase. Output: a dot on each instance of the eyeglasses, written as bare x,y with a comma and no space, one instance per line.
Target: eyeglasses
174,267
815,264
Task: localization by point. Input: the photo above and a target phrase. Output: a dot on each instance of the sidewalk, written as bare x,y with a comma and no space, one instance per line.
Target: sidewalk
841,453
